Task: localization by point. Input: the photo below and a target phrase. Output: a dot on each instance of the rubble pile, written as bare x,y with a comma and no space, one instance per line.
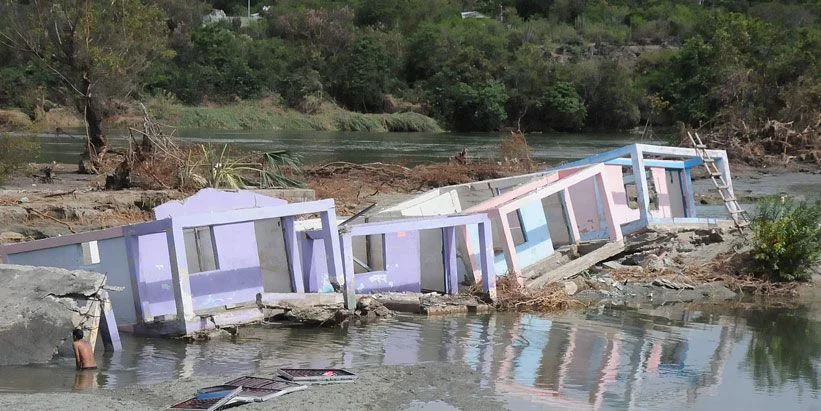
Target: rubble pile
656,268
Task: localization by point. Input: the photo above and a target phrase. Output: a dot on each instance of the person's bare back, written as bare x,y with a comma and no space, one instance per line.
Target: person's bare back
83,355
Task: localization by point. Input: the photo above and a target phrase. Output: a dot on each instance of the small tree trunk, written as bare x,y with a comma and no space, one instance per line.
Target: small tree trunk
96,143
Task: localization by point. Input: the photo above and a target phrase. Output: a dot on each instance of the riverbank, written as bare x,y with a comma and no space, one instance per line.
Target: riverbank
243,115
414,387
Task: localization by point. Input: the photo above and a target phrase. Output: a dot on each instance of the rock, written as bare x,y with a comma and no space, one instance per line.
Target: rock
7,237
210,334
366,303
615,265
685,248
570,287
383,311
24,200
11,214
39,307
652,262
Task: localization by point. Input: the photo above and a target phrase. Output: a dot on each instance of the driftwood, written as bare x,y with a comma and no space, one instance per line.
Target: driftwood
60,194
772,143
46,216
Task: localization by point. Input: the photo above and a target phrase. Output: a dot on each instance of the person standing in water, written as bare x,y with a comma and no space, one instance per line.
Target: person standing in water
83,355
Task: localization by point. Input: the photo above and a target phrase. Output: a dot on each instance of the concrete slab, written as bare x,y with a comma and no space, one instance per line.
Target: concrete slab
575,266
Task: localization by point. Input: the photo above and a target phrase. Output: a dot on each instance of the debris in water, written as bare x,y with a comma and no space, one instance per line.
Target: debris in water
211,402
314,375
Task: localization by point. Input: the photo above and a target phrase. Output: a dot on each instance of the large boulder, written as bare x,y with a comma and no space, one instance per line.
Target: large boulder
40,306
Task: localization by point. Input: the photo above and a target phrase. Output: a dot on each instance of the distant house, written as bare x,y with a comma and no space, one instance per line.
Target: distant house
216,16
472,15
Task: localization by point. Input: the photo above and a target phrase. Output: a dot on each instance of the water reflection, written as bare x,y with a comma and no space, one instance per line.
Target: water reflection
602,359
785,347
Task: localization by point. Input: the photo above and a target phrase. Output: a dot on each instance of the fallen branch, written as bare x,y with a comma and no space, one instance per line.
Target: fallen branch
31,210
60,194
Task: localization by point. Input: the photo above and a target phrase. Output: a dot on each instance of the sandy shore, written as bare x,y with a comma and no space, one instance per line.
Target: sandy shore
429,386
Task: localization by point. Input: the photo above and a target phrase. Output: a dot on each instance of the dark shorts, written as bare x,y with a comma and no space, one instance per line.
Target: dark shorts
88,368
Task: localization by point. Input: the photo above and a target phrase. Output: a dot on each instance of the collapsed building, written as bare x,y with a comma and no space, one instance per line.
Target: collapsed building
211,260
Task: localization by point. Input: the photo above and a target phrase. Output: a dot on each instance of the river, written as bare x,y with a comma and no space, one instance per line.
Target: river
718,358
724,357
362,147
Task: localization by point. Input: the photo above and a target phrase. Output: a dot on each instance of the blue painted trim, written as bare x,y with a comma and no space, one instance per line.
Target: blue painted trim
693,162
598,158
669,164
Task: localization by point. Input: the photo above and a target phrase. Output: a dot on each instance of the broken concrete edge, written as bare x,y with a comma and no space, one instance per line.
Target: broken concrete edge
41,306
321,309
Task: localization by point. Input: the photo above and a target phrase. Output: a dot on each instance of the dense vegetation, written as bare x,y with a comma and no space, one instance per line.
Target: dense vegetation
530,64
787,238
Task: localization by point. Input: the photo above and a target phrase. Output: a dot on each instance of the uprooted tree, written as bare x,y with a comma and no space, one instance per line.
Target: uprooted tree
96,49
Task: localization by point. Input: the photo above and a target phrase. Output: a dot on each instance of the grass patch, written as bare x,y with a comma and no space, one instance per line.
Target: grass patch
14,152
407,122
14,120
263,116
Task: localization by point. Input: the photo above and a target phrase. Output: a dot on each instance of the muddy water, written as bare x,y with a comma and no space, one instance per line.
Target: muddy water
671,358
361,147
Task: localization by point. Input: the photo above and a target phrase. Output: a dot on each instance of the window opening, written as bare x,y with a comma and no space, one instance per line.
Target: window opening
370,256
199,250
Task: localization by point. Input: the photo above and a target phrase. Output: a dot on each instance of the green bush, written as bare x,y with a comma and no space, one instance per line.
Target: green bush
15,152
787,238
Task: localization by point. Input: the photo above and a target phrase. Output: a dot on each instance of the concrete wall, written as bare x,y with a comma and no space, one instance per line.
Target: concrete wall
442,204
432,262
238,275
113,262
676,191
556,220
667,187
272,256
537,244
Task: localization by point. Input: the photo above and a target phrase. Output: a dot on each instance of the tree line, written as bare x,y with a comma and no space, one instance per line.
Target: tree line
536,65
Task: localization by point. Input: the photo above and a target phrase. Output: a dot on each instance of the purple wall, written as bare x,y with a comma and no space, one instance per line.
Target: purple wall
217,288
403,265
238,279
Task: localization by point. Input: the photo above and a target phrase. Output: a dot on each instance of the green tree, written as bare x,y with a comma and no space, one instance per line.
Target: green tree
96,48
364,76
609,93
474,107
540,96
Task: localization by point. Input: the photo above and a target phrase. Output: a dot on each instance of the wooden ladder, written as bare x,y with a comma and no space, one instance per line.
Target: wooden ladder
738,214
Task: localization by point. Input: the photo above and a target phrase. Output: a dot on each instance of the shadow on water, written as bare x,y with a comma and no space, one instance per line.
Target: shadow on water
709,358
